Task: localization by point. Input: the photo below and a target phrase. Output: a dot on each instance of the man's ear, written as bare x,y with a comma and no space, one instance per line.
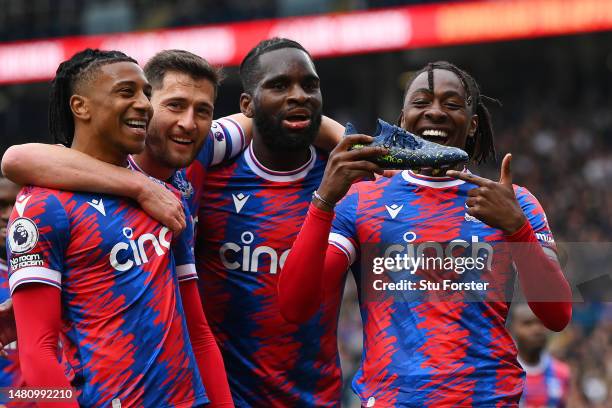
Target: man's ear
246,105
473,126
79,105
401,121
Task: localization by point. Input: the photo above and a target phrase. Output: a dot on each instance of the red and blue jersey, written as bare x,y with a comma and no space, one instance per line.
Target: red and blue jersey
225,141
248,220
4,286
428,340
10,374
123,333
546,384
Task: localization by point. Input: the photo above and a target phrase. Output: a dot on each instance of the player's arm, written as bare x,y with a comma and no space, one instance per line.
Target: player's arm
330,134
312,265
57,167
542,280
38,233
8,330
205,348
301,284
246,124
38,315
546,289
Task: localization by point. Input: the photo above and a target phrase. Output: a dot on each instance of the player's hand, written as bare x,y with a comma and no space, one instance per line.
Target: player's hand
161,204
8,331
344,167
494,203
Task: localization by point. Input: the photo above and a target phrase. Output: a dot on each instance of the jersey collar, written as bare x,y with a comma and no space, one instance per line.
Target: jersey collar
435,182
278,176
132,165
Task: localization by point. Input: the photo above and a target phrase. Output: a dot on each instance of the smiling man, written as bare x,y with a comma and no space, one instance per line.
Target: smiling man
426,348
183,88
95,269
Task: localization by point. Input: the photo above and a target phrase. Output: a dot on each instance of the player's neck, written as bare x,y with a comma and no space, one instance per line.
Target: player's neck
438,172
94,147
532,357
279,161
152,167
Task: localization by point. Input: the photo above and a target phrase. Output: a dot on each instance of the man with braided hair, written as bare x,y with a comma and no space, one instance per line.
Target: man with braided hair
184,87
123,327
433,260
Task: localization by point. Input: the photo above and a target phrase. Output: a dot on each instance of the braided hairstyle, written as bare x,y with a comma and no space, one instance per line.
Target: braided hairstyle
69,76
481,146
249,67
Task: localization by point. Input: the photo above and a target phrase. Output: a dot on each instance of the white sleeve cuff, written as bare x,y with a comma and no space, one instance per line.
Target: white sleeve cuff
219,140
345,245
186,272
234,132
35,274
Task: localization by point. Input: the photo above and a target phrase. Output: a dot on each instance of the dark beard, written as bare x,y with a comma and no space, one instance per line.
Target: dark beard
278,139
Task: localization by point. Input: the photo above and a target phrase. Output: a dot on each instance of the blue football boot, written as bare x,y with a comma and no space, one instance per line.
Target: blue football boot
408,151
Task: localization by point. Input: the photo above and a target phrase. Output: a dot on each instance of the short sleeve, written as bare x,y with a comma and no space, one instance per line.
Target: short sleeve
37,237
224,141
343,233
182,249
227,138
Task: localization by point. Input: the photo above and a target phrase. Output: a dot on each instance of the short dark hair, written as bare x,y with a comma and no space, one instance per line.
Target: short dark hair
480,147
70,75
184,62
249,74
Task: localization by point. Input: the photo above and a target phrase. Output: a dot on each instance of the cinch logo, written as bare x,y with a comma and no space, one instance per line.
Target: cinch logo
136,249
391,159
250,256
425,249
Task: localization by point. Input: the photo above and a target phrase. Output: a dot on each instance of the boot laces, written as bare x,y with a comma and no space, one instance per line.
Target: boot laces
398,137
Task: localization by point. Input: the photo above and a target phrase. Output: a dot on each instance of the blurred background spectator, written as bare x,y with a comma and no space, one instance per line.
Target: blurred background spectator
556,119
547,378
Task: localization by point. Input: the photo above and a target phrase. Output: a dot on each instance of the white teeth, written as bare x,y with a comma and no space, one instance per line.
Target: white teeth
434,132
137,123
181,140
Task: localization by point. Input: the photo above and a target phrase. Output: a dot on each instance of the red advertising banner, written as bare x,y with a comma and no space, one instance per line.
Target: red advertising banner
328,35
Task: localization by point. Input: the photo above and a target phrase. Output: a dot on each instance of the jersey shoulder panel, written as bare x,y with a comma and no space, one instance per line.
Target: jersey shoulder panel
37,237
